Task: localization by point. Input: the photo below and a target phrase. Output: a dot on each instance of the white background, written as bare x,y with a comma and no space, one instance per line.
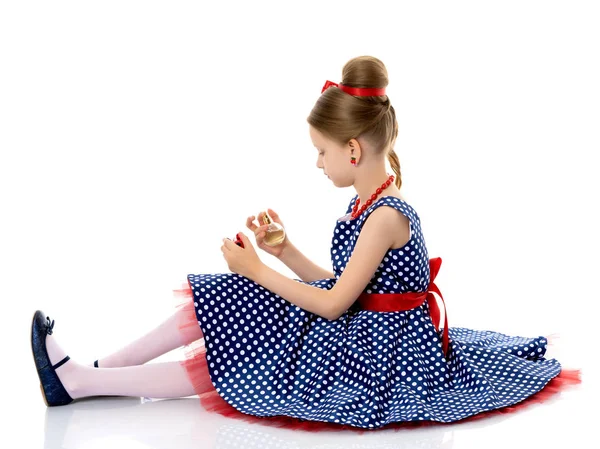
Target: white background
136,135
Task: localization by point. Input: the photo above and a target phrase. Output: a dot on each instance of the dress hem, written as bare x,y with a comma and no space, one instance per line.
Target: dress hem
196,368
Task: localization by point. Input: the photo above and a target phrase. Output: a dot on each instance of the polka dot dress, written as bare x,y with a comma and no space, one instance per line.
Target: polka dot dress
268,357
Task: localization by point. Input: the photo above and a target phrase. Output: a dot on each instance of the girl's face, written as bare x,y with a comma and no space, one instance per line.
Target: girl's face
333,159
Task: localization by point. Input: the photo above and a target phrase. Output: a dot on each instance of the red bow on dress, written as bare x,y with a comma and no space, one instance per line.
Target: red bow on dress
394,302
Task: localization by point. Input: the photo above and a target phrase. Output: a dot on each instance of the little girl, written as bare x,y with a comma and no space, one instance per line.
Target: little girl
360,346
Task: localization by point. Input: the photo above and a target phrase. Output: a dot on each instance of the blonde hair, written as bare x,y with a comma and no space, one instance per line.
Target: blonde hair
341,117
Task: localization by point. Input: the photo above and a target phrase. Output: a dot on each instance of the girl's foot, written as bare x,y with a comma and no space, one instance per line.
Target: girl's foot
67,371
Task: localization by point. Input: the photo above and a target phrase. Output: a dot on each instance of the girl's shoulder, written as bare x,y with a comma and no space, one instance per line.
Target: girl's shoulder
397,202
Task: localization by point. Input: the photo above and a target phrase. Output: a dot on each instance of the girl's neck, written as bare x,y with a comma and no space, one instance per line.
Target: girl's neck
389,191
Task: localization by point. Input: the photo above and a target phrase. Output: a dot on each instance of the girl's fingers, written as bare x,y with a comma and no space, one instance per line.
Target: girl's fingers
260,231
275,216
249,224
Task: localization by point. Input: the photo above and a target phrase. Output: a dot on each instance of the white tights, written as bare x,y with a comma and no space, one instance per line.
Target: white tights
124,373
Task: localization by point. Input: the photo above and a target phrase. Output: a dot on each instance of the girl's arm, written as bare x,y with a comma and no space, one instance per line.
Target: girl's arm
308,297
304,268
375,239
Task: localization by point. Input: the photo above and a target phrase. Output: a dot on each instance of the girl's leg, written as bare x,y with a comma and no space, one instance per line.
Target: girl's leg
155,380
178,330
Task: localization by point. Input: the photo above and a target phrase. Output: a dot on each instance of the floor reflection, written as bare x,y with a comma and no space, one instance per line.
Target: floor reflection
183,423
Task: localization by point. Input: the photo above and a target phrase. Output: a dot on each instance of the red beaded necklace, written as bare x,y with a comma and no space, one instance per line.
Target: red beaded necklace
356,212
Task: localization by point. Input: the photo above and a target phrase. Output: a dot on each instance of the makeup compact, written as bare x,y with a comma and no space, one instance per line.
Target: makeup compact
238,241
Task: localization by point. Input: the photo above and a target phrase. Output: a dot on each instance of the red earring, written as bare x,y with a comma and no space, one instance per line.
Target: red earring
353,160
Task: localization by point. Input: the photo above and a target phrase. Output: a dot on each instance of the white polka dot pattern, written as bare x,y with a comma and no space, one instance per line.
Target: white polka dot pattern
268,357
404,269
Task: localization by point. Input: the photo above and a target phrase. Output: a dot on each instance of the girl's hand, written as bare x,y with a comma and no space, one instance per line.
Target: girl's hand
243,261
259,233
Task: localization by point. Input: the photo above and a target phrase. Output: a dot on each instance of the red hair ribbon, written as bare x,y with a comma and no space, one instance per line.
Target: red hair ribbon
394,302
358,91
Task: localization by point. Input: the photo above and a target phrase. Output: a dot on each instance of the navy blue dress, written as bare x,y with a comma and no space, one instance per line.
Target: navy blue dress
268,357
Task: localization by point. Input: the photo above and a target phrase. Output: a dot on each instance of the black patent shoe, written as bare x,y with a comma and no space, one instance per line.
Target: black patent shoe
53,391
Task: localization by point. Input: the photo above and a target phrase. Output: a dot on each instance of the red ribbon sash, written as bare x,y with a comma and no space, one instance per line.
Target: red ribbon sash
394,302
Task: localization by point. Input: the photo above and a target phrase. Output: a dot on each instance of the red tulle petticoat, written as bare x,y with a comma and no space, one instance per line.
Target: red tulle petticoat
197,369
